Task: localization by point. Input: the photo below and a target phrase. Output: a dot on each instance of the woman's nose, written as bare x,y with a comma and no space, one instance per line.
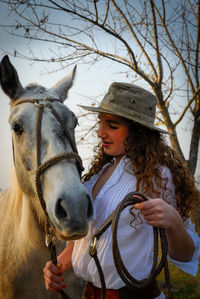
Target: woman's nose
101,132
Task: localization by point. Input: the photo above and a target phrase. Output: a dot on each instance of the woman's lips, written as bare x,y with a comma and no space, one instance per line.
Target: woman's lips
106,144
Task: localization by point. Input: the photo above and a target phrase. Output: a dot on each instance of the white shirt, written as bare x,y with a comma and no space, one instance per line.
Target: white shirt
135,243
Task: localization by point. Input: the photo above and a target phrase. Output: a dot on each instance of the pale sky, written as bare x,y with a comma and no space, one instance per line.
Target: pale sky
91,81
88,83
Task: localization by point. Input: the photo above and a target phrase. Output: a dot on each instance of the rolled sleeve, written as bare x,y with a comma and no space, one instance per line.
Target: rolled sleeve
190,267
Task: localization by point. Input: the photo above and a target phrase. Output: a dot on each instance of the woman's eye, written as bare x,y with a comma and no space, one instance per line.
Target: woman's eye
113,127
16,128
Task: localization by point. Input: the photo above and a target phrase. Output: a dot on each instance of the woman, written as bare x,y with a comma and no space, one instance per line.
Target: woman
132,156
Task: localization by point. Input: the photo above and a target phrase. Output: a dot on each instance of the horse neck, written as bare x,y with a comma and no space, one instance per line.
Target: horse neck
25,218
22,236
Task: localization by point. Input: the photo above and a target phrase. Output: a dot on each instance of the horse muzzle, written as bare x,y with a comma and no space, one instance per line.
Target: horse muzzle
70,215
62,237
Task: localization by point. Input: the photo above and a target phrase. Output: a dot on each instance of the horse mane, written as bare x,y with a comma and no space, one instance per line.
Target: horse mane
14,193
19,220
35,86
11,198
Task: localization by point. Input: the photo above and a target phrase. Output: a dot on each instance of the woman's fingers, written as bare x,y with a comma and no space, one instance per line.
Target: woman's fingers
54,286
157,212
53,279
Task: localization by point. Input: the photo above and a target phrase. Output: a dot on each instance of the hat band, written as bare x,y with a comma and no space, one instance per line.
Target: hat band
127,113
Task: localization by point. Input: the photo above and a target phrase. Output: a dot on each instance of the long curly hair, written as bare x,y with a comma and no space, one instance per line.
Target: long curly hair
148,151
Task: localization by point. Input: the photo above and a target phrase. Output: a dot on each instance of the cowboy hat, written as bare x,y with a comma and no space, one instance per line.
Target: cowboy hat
129,101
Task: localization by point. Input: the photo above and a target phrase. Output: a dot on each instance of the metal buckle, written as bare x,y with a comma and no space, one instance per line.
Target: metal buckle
39,105
92,249
47,102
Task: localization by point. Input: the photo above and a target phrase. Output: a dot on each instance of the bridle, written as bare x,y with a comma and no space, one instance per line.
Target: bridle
40,168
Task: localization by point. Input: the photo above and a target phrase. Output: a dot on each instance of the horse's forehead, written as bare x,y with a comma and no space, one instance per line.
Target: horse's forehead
26,112
22,112
37,91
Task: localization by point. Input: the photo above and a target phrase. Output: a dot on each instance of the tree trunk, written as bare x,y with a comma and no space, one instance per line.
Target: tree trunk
192,163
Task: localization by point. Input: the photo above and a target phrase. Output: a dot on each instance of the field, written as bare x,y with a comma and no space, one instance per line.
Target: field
184,286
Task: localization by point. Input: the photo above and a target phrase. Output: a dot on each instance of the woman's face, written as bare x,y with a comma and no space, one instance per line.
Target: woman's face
113,131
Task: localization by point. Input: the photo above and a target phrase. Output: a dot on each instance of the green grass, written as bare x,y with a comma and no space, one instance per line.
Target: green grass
184,286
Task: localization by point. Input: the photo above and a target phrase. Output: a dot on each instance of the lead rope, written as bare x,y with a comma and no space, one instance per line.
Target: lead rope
49,227
129,280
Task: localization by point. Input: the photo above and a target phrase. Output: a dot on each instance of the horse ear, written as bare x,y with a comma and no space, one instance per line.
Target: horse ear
62,87
9,79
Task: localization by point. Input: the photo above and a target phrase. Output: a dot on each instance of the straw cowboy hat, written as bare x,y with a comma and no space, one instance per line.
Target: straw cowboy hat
130,101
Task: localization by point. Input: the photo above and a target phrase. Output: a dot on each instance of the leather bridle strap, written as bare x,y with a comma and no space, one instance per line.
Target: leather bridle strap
131,199
49,227
59,119
40,170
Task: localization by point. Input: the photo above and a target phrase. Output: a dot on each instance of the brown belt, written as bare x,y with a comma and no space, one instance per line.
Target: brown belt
150,292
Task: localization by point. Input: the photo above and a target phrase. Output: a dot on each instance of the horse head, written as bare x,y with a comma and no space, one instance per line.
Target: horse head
45,156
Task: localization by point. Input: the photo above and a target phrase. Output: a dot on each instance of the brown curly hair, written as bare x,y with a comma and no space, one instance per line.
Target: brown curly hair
147,151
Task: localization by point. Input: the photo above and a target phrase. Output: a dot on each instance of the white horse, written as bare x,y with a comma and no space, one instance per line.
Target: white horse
44,151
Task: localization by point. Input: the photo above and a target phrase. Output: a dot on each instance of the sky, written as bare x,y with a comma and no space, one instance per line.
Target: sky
90,82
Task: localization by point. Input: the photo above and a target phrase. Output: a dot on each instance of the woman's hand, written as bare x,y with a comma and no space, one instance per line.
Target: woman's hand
52,276
158,212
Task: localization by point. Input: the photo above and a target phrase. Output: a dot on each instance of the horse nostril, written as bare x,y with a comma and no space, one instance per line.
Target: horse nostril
90,208
60,210
62,213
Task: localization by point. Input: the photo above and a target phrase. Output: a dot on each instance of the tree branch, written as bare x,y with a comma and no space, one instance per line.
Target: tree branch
187,106
159,61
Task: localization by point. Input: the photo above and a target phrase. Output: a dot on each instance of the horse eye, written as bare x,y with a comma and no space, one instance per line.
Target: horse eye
16,128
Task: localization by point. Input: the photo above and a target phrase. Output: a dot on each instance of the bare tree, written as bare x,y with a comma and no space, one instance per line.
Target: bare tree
153,40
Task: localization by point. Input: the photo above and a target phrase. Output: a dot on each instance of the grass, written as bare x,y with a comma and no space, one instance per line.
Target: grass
184,286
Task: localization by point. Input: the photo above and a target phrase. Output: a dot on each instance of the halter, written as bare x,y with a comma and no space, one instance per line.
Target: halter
49,227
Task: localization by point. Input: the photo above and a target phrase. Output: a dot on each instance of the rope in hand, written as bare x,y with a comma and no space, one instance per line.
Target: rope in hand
49,227
52,250
131,199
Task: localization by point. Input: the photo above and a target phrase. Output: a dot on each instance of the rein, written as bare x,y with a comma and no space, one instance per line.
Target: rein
49,227
131,199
